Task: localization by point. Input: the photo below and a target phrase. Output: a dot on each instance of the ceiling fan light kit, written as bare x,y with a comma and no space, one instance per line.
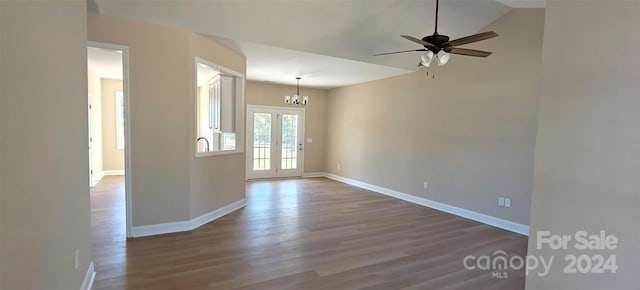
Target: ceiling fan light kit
439,47
426,59
442,57
296,100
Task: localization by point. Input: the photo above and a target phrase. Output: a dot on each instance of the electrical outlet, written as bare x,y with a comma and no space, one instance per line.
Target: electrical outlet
77,258
501,201
339,166
426,185
507,202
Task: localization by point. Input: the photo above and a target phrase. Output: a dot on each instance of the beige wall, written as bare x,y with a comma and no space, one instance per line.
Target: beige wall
113,158
470,132
169,183
587,153
159,113
95,99
45,187
216,181
267,94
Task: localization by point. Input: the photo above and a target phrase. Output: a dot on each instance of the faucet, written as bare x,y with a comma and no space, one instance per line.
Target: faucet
206,142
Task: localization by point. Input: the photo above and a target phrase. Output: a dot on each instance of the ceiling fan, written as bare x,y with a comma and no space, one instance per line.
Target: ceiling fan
439,47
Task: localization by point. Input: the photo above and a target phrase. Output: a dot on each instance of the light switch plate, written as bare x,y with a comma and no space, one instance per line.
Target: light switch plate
309,140
507,202
501,201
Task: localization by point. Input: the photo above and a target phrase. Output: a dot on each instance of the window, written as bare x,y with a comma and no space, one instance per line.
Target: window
219,106
262,141
119,121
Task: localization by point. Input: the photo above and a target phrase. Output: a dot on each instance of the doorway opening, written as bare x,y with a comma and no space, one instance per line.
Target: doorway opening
274,142
109,142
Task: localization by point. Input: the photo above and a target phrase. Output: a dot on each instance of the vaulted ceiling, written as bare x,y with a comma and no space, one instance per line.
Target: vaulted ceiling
329,43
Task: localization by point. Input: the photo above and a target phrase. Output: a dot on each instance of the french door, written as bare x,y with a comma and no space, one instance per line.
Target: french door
274,142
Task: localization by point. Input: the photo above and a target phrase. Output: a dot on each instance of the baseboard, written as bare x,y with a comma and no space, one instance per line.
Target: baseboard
216,214
183,226
314,174
96,178
87,283
465,213
160,229
112,172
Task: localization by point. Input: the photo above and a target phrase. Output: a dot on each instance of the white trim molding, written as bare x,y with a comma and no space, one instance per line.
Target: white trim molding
96,178
87,283
112,172
183,226
216,214
313,174
465,213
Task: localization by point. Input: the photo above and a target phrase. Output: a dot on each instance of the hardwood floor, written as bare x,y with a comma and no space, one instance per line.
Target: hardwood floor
301,234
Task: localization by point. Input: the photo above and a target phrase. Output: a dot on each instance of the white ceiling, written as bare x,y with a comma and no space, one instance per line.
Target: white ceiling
328,43
279,65
106,63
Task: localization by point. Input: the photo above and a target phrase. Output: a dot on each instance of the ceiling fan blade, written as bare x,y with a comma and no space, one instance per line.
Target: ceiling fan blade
399,52
419,41
470,52
473,38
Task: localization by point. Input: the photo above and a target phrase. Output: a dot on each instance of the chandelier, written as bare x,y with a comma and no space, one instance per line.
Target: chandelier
297,100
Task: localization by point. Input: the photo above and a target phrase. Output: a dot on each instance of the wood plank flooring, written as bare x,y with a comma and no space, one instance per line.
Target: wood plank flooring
301,234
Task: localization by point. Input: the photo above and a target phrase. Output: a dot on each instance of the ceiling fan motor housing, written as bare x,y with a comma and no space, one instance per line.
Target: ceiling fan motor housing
441,42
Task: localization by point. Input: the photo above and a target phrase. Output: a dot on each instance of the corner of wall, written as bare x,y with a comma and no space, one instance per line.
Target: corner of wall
215,181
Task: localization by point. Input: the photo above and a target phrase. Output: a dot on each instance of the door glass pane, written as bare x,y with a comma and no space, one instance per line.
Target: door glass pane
289,139
261,141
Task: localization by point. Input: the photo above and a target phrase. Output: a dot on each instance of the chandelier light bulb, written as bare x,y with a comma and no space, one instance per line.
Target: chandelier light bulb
426,59
442,57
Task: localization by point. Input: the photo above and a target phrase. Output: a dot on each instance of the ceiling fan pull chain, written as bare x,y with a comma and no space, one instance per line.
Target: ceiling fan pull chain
433,75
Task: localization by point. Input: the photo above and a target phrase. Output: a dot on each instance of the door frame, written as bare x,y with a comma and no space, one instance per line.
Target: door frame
92,180
127,126
248,161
